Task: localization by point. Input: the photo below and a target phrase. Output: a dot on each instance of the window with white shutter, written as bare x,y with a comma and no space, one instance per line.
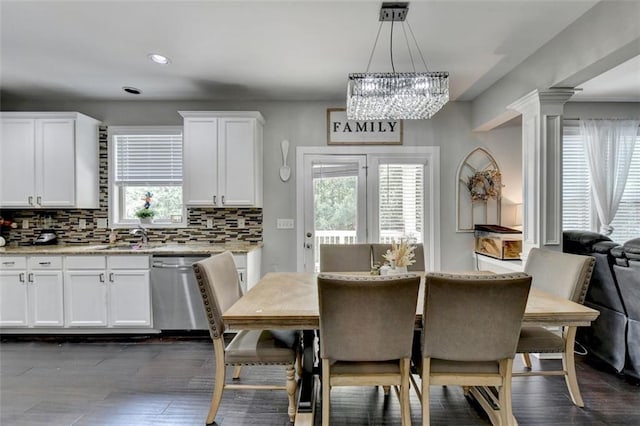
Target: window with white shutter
578,211
146,160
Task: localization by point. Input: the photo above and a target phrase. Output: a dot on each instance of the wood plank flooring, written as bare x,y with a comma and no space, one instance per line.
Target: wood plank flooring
168,381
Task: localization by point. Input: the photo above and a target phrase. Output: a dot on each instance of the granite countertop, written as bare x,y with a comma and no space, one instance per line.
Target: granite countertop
152,248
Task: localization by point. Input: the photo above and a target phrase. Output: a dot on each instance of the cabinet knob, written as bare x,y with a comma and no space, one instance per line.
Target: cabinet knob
39,200
101,277
21,277
111,277
30,200
222,200
9,263
215,202
30,277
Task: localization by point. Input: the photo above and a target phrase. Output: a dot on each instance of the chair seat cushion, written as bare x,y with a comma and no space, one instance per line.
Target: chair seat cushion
446,366
262,347
539,339
363,368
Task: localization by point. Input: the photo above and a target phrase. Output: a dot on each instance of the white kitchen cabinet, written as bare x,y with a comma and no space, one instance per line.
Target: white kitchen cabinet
248,266
85,291
222,158
49,160
129,291
111,291
32,291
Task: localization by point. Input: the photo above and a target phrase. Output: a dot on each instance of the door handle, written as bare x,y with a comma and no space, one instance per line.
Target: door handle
308,245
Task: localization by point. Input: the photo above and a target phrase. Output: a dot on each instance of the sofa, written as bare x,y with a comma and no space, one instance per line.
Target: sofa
610,339
627,271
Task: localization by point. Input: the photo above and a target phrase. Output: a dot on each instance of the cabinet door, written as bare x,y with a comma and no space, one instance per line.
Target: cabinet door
13,299
55,168
85,298
45,299
129,298
17,163
200,157
237,165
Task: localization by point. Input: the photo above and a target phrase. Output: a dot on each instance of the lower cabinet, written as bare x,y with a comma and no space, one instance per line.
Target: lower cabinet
31,291
107,291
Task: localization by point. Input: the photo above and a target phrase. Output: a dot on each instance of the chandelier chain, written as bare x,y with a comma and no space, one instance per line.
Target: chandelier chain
417,46
406,39
393,68
375,43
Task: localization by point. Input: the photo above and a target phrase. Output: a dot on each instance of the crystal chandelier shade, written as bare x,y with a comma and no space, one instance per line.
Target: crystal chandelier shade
398,96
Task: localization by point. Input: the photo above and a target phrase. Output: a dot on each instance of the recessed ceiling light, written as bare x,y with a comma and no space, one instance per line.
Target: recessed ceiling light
132,90
159,59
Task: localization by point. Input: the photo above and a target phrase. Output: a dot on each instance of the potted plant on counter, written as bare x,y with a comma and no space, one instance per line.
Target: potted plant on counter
146,213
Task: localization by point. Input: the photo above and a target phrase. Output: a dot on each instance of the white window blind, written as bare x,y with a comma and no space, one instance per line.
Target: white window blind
576,187
577,207
148,158
401,201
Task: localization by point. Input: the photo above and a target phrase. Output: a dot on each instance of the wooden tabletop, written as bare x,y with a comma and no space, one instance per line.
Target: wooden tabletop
289,300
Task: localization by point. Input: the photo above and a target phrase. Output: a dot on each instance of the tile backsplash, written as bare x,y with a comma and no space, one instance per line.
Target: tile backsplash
66,222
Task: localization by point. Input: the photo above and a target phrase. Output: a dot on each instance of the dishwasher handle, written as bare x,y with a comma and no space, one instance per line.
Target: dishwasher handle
161,265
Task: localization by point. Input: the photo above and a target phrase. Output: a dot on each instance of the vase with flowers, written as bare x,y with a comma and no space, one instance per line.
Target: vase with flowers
399,256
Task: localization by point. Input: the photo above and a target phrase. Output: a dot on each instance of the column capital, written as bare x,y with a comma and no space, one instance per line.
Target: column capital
538,98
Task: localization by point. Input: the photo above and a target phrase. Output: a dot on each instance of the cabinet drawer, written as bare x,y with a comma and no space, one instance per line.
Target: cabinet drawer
85,262
128,262
13,262
44,262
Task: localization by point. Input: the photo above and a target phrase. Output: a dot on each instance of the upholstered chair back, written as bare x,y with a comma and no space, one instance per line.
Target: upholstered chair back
379,313
473,318
380,248
562,274
345,257
219,286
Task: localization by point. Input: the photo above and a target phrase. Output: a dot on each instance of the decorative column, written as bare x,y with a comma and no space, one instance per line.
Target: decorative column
542,167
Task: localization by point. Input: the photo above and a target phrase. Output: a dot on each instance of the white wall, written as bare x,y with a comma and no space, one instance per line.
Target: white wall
304,124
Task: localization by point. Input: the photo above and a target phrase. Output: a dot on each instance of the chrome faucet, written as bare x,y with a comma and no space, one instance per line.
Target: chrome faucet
143,232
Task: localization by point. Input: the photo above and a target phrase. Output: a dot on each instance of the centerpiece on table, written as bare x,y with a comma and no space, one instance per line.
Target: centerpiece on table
399,256
146,213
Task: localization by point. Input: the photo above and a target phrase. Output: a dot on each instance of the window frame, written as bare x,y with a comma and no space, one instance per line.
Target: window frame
116,196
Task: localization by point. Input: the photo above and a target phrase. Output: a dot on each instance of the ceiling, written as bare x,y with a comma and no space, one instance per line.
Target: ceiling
263,50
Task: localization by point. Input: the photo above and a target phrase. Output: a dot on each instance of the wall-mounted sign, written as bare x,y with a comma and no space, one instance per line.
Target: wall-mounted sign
341,131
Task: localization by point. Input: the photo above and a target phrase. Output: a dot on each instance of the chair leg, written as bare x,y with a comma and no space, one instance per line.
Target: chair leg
326,393
526,359
218,387
237,370
426,371
292,385
569,366
298,365
404,391
504,393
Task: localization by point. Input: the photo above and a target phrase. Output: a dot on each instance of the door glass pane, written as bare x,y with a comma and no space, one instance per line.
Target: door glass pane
401,202
335,204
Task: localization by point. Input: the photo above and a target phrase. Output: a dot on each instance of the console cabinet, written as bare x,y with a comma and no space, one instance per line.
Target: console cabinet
49,160
222,158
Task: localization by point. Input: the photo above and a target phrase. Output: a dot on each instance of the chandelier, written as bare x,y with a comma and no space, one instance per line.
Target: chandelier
396,95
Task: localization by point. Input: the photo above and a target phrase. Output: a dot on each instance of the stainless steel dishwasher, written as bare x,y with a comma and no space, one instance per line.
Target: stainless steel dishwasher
176,299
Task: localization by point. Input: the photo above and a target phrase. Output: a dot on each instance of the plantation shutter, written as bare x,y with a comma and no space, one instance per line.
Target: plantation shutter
401,201
148,159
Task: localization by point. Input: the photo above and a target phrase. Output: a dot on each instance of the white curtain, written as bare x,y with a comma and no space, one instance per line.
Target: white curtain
609,145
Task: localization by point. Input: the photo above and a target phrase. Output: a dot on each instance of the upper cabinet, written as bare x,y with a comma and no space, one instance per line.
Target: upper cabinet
49,160
222,158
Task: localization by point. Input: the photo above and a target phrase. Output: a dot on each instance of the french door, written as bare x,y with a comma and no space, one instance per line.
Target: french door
334,203
382,195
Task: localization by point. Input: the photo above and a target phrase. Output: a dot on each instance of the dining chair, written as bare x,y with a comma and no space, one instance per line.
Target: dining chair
219,286
345,257
380,311
565,275
471,325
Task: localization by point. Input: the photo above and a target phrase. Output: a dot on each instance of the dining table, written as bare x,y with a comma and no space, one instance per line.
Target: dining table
289,300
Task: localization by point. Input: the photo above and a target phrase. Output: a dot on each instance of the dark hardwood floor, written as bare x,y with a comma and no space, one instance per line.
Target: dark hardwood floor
168,381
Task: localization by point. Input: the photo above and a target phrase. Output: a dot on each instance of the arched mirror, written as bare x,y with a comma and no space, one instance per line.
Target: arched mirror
478,189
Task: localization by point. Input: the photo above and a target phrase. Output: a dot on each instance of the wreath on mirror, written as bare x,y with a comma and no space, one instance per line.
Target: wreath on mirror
484,185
